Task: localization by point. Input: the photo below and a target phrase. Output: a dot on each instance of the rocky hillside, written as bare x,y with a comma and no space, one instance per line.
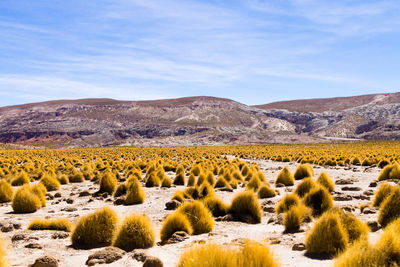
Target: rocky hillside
373,117
198,121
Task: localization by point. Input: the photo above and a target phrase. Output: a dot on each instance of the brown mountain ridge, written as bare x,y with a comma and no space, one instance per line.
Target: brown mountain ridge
199,120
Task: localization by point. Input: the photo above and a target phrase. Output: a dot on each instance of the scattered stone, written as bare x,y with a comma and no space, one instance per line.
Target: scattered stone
17,226
84,193
279,185
362,197
69,209
343,198
18,237
34,246
45,261
172,204
105,256
344,181
49,196
373,184
119,201
368,192
60,235
177,237
7,228
351,188
57,195
349,208
374,226
69,201
139,255
368,210
299,247
225,189
109,199
269,209
152,262
226,218
72,194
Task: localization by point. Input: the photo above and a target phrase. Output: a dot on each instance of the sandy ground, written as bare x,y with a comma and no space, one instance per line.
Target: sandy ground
154,207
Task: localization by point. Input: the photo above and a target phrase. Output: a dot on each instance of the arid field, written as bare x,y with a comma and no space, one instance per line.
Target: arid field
274,205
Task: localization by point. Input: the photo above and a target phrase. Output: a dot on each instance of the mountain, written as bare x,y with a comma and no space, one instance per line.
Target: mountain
199,121
372,117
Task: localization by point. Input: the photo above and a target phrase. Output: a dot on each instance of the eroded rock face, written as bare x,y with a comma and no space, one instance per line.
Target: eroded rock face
105,256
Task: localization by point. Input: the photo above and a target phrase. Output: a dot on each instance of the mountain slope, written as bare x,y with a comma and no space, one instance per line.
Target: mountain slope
374,117
101,122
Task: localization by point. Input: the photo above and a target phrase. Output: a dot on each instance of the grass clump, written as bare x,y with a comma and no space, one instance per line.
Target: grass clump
40,191
76,177
326,181
285,177
355,228
362,254
389,209
25,200
108,183
166,182
51,183
382,193
319,200
173,223
211,255
153,181
245,206
21,179
179,179
61,224
305,186
63,179
96,229
303,171
327,237
295,216
6,191
390,172
254,183
3,259
135,193
199,216
221,182
216,206
287,202
266,192
136,231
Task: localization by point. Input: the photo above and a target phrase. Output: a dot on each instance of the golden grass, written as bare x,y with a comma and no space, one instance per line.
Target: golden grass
60,224
199,216
246,204
173,223
6,191
285,177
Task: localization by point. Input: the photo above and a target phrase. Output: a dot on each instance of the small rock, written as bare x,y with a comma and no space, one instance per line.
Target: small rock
109,199
139,255
105,256
69,209
7,228
18,237
343,198
152,262
368,210
299,247
270,209
177,237
368,192
374,226
69,201
226,189
60,235
57,195
34,246
50,196
279,185
351,188
119,201
45,261
373,184
344,181
84,193
17,226
362,197
349,208
226,218
172,204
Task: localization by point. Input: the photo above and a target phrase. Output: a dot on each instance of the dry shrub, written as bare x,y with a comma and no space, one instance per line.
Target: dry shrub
60,224
382,193
285,177
295,216
25,201
221,182
266,192
390,172
153,181
319,200
21,179
40,191
305,186
135,193
136,231
51,183
199,216
173,223
6,191
303,171
76,177
216,206
327,237
212,255
96,229
108,183
179,179
286,202
3,259
245,204
361,254
63,179
389,209
326,181
166,182
191,180
254,183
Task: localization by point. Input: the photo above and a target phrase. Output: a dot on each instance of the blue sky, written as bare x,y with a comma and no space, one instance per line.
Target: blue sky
252,51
